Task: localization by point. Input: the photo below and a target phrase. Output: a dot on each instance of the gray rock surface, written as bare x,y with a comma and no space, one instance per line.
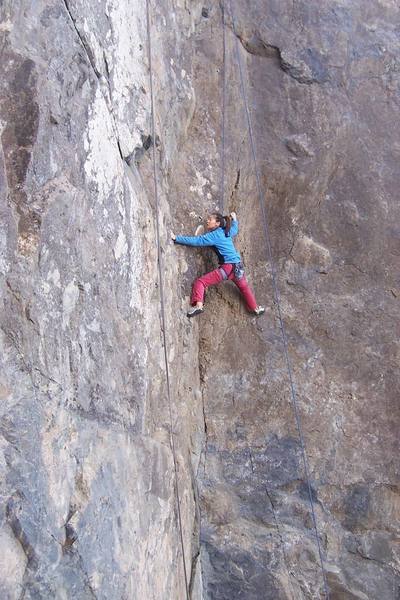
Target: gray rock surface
322,83
87,504
87,498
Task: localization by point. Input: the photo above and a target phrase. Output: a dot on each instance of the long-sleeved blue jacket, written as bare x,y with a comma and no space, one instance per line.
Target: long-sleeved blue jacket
223,245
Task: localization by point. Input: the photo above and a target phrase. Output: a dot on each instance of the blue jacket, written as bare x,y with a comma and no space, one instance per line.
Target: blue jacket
223,245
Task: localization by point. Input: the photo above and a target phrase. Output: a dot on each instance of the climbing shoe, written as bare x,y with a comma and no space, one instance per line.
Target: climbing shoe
260,310
195,310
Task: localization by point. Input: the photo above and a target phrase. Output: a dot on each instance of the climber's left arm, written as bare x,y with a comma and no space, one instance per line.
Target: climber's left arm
207,239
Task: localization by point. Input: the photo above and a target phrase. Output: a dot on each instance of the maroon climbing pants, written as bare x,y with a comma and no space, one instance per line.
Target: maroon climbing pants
216,276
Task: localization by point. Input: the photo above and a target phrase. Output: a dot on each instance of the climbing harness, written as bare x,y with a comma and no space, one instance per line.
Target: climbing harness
277,297
223,274
238,270
162,301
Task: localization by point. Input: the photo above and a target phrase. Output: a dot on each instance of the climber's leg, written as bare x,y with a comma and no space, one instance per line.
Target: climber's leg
202,283
246,292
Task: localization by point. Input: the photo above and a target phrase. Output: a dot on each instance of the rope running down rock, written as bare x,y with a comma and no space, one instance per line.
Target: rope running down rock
162,300
277,298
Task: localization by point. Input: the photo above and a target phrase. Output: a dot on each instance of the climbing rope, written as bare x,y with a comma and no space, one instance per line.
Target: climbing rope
162,301
223,107
277,297
223,120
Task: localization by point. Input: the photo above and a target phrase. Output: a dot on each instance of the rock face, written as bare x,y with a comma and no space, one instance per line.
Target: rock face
88,503
88,492
322,82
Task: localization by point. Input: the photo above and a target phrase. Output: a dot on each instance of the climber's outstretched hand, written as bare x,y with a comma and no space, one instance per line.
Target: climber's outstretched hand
173,237
234,216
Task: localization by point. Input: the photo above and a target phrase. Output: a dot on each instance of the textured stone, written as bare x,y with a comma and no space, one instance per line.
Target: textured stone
88,506
332,100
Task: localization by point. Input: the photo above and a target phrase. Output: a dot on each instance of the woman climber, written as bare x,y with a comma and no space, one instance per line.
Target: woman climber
220,231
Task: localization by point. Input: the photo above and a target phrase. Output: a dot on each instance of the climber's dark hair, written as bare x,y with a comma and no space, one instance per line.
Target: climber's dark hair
224,222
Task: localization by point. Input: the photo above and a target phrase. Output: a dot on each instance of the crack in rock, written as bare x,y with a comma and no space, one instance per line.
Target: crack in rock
101,78
306,69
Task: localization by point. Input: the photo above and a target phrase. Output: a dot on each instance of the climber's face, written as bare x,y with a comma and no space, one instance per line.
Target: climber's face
212,222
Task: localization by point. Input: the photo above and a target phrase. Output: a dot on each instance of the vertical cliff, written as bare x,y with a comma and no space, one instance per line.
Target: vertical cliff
88,477
88,501
322,85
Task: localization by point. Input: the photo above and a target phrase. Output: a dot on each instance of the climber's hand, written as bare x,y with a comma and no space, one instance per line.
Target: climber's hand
233,215
173,237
